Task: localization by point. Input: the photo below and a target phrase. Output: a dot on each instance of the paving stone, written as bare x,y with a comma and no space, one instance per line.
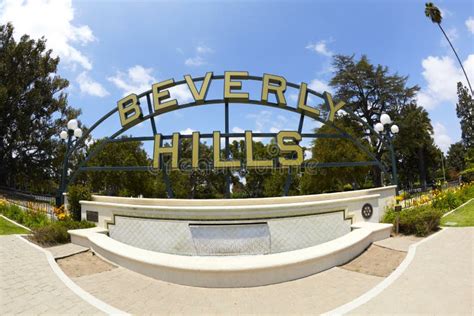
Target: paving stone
29,285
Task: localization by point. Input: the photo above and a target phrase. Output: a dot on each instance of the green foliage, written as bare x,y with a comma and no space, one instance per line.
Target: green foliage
29,218
451,198
33,109
432,12
77,193
7,228
455,161
420,220
56,233
123,183
446,202
462,217
370,90
336,150
465,112
467,175
417,155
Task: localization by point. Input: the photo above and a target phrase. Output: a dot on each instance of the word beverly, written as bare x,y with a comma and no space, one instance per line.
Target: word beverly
130,112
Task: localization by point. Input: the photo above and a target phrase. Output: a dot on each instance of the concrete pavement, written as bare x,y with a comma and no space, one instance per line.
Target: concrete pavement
439,280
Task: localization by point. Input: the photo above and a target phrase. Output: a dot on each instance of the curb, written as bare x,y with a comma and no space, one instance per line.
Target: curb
13,222
372,293
92,300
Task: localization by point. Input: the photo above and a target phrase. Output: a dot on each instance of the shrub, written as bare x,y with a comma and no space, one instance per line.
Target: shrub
467,175
467,192
56,233
446,201
77,193
420,220
29,218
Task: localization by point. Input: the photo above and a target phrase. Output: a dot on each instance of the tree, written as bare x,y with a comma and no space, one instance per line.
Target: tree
369,91
455,161
465,112
123,183
33,109
417,155
336,150
434,14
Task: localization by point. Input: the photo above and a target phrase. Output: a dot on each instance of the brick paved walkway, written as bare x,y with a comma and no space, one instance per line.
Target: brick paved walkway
28,285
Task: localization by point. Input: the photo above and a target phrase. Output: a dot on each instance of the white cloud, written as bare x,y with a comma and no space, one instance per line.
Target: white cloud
89,86
319,86
53,20
195,61
237,129
268,121
138,79
441,137
320,48
199,59
187,131
203,49
452,34
181,93
470,24
442,75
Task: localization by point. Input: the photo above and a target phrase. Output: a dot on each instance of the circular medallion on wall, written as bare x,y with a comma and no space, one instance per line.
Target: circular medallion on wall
367,211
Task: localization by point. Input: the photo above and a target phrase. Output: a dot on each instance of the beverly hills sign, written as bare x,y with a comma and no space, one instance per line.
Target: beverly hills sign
290,152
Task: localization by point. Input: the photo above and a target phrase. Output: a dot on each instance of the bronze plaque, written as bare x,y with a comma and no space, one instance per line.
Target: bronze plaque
92,216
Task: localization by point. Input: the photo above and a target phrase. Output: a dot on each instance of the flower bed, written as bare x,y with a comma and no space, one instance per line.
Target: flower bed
44,231
424,218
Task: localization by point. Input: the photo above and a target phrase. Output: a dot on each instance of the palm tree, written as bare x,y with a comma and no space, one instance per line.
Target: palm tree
432,12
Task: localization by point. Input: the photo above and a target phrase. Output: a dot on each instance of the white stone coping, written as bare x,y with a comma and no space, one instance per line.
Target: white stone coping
235,211
388,190
233,271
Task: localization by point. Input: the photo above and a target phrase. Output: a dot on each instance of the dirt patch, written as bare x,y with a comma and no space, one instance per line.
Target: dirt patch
85,263
376,260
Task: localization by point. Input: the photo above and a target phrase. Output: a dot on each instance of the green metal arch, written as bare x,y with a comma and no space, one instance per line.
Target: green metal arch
152,115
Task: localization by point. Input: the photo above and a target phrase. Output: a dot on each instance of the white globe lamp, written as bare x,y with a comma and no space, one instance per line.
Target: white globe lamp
394,129
78,133
63,135
385,119
378,127
72,124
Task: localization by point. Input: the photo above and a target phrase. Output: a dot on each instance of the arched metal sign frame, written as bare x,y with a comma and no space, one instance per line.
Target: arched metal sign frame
152,114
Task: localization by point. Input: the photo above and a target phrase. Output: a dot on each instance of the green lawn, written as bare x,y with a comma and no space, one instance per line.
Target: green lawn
7,228
460,218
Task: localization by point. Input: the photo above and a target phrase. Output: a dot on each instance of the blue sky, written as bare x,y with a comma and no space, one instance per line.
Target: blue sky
110,48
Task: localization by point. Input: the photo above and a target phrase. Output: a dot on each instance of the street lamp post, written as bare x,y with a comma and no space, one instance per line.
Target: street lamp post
72,131
389,134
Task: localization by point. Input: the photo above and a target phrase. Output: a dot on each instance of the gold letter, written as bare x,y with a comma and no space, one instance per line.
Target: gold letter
218,163
200,96
249,154
159,95
195,157
302,99
161,150
288,148
230,85
332,109
275,85
129,109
